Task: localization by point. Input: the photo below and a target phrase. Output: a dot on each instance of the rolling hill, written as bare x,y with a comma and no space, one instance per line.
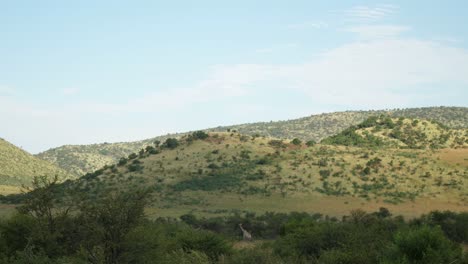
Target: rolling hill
81,159
225,171
378,131
17,167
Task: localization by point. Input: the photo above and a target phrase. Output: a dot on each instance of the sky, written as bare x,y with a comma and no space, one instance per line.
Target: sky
81,72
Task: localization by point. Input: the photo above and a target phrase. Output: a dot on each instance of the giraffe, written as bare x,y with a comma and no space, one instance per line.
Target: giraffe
245,234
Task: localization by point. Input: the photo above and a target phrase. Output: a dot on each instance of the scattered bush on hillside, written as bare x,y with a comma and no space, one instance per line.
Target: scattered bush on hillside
111,228
276,143
122,161
311,143
296,142
171,143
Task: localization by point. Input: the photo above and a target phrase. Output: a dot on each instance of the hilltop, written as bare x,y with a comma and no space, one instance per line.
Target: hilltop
384,131
226,171
17,167
81,159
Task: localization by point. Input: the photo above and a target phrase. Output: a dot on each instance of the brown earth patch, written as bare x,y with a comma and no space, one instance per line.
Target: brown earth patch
454,156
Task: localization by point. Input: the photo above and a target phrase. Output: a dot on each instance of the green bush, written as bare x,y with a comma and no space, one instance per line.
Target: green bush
296,141
207,242
171,143
423,245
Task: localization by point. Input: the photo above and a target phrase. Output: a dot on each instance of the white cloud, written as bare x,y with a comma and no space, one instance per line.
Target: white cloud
5,91
375,73
70,91
308,24
371,72
369,14
264,50
377,31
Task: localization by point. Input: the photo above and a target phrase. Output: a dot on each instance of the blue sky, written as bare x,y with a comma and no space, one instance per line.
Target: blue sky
79,72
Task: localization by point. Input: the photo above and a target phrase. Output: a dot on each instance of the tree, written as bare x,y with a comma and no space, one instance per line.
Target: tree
171,143
296,141
157,143
200,135
41,204
424,245
311,143
122,161
49,218
105,223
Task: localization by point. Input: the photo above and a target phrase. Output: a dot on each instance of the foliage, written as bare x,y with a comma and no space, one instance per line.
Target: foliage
424,245
171,143
81,159
17,167
349,137
296,141
113,229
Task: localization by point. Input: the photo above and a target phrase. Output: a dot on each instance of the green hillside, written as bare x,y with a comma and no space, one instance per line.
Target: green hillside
81,159
17,167
318,127
229,171
400,133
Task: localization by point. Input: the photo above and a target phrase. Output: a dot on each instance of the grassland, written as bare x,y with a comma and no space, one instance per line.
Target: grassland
78,160
17,167
229,171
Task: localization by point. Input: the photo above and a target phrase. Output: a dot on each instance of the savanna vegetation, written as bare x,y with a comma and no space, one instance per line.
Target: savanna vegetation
17,167
182,199
79,160
114,229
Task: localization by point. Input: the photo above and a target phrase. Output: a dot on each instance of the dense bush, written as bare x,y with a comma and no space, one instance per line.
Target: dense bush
199,135
171,143
111,228
296,141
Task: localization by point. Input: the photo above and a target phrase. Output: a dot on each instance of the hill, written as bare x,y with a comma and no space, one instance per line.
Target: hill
229,171
81,159
17,167
378,131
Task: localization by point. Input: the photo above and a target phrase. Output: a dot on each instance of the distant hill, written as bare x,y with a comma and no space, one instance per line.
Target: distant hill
318,127
81,159
384,131
226,171
17,167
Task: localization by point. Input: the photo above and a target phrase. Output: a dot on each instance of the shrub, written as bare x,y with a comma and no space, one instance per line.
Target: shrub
296,141
207,242
122,161
423,245
200,135
171,143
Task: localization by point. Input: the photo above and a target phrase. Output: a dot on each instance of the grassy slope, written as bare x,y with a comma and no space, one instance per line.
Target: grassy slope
229,171
401,133
79,160
17,167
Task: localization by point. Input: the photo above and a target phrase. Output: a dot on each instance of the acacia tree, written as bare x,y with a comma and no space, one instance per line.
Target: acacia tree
49,216
41,202
106,222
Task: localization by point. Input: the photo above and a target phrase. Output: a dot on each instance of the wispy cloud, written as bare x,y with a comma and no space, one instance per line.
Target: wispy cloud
379,69
70,91
5,91
378,31
307,25
264,50
368,14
